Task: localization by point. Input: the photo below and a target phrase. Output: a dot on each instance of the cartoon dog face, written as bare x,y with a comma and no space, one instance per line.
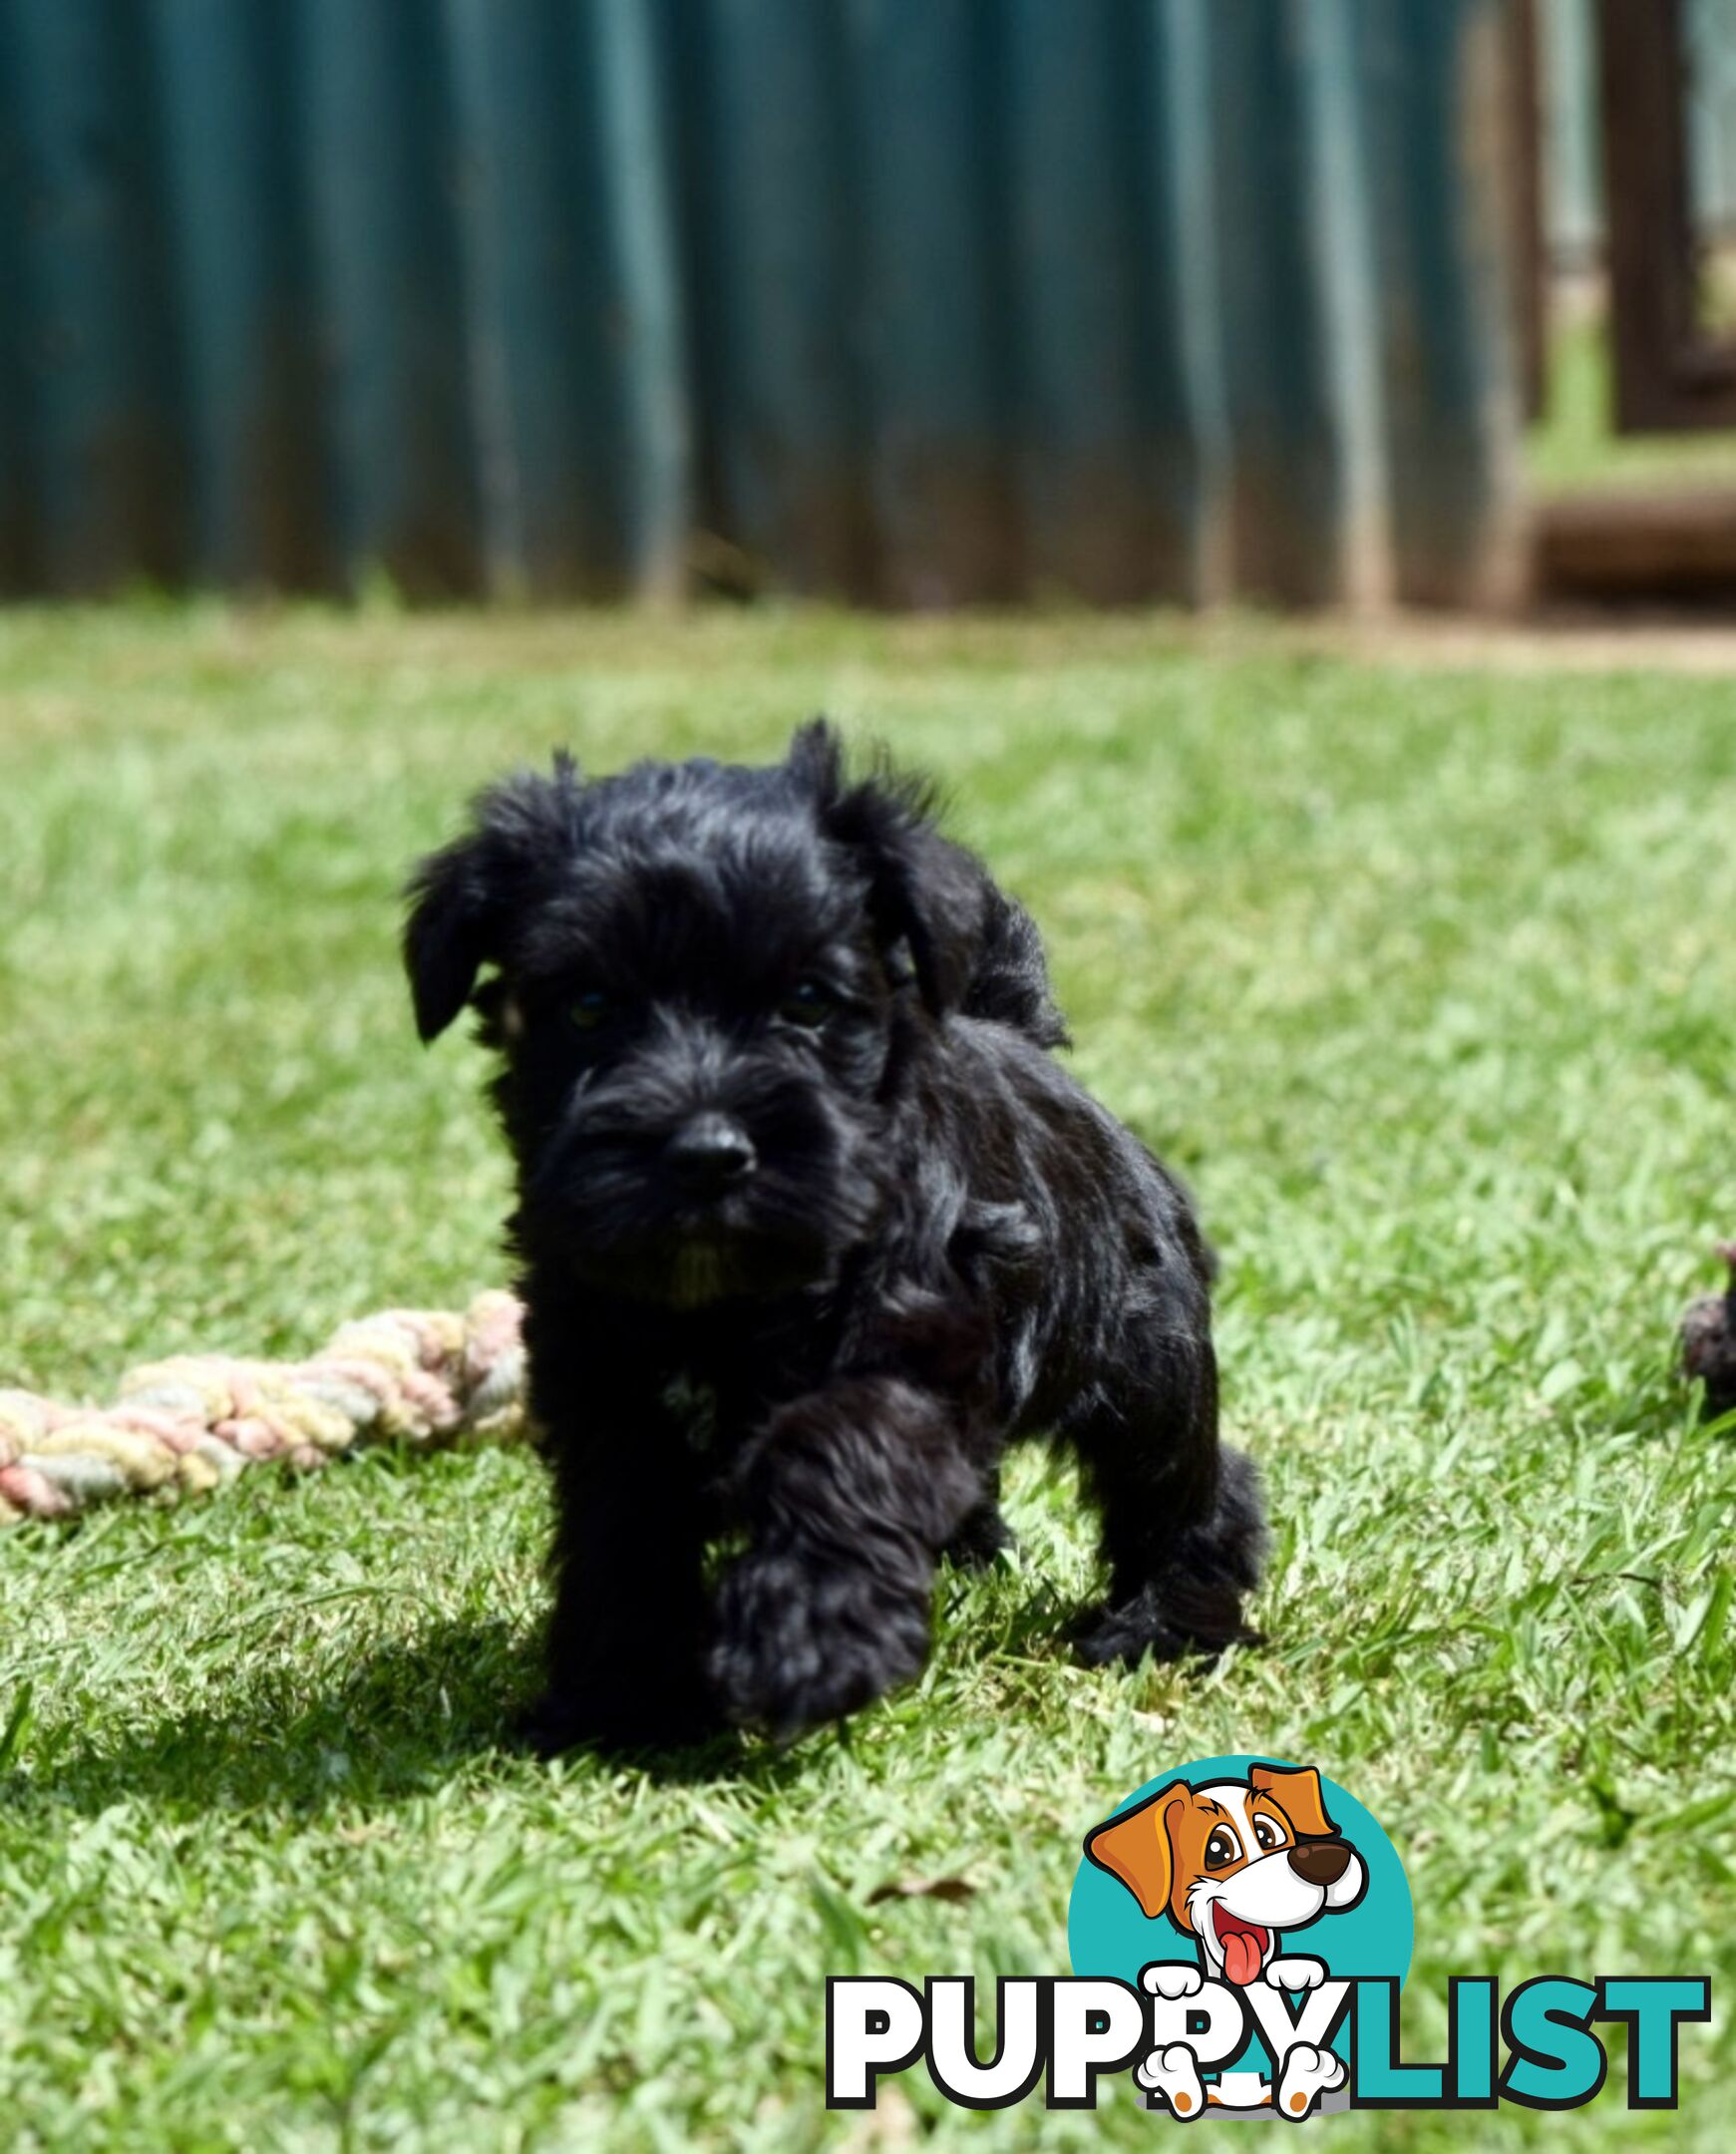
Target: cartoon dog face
1234,1863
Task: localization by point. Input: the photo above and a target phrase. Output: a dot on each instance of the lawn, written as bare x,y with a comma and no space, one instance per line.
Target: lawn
1574,450
1426,979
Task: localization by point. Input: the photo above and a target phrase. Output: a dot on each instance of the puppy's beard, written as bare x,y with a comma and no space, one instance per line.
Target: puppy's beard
699,1271
680,1263
704,1266
610,1216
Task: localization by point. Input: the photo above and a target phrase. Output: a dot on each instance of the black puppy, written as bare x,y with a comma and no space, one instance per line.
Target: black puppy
1709,1341
809,1224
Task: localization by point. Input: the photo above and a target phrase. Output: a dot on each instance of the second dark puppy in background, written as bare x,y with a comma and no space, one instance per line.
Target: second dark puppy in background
811,1222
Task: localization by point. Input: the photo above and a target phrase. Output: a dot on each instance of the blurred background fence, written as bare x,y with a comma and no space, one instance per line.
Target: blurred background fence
1575,183
916,301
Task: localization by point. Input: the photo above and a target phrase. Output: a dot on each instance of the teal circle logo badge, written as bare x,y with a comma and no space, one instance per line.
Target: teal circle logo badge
1244,1896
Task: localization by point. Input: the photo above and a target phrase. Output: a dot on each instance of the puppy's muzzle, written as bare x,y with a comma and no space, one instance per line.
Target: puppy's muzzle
1321,1862
709,1154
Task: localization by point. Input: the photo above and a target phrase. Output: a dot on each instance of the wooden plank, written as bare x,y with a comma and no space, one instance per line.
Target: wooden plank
1668,378
1668,544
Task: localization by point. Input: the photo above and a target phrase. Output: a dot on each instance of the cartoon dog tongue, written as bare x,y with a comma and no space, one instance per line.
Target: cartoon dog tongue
1242,1946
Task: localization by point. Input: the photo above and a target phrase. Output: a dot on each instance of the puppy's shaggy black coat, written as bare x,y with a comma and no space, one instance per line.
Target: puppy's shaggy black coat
811,1222
1709,1341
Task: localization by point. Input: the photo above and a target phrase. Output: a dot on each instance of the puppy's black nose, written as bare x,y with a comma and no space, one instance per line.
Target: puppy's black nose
710,1153
1321,1862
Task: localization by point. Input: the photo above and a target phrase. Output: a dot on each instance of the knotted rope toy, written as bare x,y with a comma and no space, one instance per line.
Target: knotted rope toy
185,1426
1709,1341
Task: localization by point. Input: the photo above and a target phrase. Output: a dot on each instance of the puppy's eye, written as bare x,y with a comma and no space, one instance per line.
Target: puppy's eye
1266,1833
1222,1849
587,1011
807,1004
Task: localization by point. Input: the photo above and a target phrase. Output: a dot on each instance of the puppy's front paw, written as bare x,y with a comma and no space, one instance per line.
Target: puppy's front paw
801,1639
1295,1974
1174,2073
1307,2074
1170,1978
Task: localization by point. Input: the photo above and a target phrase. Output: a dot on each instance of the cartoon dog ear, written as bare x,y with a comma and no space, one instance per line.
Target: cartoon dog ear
1135,1848
1296,1791
923,890
462,898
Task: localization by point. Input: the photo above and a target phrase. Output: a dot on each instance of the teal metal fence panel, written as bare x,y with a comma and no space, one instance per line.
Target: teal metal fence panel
911,301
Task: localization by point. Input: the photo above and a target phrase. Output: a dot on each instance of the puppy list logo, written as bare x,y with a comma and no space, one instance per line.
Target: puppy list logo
1240,1932
1225,1892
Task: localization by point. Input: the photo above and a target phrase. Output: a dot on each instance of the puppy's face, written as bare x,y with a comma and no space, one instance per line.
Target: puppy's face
701,980
1234,1862
696,1023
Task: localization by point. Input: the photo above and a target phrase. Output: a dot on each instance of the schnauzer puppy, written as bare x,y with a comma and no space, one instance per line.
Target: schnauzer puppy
811,1223
1709,1341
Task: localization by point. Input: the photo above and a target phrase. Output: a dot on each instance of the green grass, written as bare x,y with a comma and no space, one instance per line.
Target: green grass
1426,979
1575,447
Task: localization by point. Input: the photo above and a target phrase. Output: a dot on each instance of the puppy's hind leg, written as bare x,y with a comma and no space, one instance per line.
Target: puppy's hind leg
1182,1526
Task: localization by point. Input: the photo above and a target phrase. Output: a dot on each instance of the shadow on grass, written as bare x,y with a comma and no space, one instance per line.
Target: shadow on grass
398,1720
383,1719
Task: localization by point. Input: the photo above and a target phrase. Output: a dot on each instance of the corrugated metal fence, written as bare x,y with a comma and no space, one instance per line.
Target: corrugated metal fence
914,300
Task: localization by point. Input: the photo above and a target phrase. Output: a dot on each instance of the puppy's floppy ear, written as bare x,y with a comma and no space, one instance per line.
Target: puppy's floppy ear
462,897
923,890
1136,1848
450,934
1297,1793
